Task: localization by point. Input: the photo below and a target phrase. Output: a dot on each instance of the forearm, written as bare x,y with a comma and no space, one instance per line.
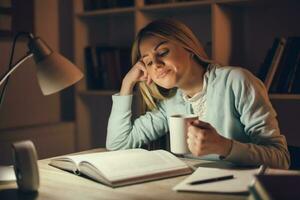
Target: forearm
124,133
126,88
273,155
119,123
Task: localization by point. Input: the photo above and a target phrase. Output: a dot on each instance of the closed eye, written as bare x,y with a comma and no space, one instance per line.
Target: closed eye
163,53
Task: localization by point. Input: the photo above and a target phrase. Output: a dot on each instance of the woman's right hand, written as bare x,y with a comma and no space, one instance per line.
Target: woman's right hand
136,74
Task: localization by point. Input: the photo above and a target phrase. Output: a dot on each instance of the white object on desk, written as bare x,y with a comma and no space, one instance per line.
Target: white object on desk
7,174
25,166
178,132
239,184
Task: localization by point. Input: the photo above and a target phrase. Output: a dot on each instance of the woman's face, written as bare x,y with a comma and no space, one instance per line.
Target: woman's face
166,62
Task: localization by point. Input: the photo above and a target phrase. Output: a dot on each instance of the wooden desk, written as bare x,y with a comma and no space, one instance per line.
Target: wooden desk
58,184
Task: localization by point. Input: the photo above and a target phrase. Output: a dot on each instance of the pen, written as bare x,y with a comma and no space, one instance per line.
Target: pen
210,180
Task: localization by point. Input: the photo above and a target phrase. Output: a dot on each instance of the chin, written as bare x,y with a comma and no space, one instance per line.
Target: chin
166,85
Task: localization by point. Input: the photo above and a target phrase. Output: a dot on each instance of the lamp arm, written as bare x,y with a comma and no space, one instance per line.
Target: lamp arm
7,74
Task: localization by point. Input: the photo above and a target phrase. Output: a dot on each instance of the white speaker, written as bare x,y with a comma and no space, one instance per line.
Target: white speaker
25,166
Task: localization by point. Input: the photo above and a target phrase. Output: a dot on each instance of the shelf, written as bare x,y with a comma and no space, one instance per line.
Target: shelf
107,12
285,96
176,5
193,4
97,92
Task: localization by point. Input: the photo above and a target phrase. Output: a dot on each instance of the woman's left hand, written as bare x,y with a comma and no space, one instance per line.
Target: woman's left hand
203,139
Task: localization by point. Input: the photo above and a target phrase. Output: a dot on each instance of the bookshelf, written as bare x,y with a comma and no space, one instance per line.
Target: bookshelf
234,32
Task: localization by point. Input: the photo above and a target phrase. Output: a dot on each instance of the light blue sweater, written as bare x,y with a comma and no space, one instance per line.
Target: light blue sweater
238,107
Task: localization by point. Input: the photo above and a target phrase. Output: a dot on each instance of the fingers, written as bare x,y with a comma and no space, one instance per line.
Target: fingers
141,66
195,144
200,124
145,77
197,137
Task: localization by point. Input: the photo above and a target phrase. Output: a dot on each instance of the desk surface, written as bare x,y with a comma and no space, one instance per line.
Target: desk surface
58,184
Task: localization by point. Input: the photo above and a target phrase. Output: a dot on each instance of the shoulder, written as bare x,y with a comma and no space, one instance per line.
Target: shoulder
232,73
236,76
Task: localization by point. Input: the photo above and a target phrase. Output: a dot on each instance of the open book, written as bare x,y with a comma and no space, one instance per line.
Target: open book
118,168
242,178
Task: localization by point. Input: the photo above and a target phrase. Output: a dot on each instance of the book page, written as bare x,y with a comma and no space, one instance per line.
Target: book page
118,165
66,163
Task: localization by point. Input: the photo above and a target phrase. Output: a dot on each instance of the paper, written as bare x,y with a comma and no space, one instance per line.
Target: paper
7,174
239,184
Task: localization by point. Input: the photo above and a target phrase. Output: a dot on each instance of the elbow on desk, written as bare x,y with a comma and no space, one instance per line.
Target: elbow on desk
113,145
110,145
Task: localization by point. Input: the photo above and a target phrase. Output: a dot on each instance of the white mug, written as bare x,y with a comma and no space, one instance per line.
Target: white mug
178,126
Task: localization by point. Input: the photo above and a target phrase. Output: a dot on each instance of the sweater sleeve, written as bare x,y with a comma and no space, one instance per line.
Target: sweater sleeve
257,115
125,133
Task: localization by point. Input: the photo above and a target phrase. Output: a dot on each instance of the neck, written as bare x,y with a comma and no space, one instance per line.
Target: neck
192,83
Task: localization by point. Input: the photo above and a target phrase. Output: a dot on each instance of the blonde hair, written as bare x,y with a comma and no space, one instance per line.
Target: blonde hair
171,30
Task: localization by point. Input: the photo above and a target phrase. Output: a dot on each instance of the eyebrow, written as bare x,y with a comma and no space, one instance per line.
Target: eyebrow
156,47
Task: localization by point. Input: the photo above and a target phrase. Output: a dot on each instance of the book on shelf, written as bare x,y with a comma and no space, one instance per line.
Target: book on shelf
106,66
284,72
93,80
124,167
280,66
294,84
107,63
264,67
275,187
273,59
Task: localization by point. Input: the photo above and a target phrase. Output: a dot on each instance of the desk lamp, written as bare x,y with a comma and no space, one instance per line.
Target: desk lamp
54,73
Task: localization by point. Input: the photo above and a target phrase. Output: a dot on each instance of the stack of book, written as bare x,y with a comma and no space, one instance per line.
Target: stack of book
280,70
106,66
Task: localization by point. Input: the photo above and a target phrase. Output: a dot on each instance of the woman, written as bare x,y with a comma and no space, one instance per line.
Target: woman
175,76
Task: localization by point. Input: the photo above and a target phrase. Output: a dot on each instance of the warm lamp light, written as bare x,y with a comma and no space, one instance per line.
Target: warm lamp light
54,72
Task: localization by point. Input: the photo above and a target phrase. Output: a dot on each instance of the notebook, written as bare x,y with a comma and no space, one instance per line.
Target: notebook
238,184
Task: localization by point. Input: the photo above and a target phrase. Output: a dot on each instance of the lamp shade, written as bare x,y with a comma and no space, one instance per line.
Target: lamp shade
54,72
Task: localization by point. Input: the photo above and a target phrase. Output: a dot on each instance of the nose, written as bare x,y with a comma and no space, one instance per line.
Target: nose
158,63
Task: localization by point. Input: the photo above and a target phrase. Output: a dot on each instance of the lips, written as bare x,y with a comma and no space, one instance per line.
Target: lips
163,73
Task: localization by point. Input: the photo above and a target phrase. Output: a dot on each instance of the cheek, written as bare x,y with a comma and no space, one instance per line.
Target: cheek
151,73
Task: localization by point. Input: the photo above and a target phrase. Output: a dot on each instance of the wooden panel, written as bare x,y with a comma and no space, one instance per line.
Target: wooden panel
288,116
24,104
93,118
50,140
221,34
227,35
